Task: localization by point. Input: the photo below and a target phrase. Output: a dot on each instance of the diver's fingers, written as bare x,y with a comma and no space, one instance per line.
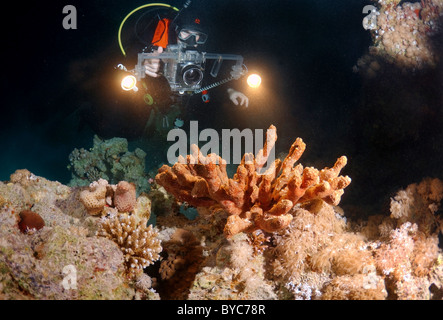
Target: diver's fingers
152,67
234,100
246,102
151,74
243,99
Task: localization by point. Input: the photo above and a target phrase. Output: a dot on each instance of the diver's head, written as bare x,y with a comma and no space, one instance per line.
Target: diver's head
190,30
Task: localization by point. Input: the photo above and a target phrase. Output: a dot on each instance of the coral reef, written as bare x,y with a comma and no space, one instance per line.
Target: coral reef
109,160
63,259
411,257
137,241
321,254
402,35
253,200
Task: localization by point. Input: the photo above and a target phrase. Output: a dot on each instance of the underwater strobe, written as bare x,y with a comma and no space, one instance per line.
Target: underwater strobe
254,80
129,82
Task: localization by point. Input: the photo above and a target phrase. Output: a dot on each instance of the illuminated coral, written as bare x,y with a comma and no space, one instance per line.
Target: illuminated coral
253,199
138,242
418,203
100,197
94,198
125,197
402,36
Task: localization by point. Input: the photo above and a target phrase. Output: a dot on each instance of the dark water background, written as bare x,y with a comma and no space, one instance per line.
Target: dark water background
390,129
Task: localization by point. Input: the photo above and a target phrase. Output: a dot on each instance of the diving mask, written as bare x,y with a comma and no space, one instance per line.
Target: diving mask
192,37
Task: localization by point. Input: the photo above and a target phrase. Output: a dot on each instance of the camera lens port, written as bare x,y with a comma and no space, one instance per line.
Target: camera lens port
192,75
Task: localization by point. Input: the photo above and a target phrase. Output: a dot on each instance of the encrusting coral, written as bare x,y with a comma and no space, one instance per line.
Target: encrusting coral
138,242
94,198
33,264
402,34
253,200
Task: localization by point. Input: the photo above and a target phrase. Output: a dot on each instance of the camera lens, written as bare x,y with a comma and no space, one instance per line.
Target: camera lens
192,75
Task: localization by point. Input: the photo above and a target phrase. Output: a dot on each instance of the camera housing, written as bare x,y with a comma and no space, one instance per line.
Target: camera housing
186,72
184,68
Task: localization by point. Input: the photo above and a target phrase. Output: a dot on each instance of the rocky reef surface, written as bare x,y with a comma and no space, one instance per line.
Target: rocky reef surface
319,255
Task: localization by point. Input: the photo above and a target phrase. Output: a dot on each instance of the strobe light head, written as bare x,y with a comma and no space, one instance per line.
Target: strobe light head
129,82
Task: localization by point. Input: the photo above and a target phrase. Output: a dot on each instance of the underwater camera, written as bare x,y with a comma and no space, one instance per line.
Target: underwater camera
185,69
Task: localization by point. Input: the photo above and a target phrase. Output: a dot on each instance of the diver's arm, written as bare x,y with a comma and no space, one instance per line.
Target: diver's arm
237,97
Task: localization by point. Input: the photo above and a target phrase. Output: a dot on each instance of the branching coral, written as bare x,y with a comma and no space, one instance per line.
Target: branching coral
137,241
253,200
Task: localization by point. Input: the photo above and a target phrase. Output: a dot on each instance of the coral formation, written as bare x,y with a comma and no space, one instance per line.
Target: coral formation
94,198
109,160
253,200
100,197
233,273
184,255
36,265
137,241
410,257
125,197
321,254
401,35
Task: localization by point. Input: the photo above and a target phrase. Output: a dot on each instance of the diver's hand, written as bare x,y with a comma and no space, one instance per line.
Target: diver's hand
238,97
152,66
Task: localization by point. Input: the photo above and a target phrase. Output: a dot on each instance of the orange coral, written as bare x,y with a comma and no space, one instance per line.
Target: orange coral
253,200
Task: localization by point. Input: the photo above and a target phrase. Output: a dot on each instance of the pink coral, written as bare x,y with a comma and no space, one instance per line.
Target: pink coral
125,197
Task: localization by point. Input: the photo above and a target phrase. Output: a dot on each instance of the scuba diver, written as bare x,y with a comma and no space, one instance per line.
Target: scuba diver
187,31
